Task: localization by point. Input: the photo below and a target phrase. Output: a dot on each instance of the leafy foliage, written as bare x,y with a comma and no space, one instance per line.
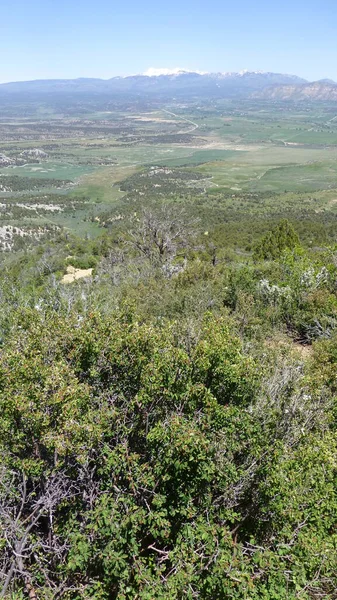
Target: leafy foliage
136,463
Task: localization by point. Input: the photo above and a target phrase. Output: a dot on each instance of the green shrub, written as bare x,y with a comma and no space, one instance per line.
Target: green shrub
275,242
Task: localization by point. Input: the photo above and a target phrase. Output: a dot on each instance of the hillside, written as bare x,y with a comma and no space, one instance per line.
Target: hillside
319,90
168,346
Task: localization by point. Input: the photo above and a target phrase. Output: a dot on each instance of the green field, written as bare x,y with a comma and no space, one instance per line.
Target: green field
233,148
198,158
48,170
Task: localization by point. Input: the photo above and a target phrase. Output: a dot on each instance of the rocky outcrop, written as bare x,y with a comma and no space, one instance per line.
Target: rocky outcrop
34,153
5,161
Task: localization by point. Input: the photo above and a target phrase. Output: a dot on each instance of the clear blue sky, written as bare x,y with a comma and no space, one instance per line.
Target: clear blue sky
103,38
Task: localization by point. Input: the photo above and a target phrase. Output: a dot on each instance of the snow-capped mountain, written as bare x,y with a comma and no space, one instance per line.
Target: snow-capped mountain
154,72
162,82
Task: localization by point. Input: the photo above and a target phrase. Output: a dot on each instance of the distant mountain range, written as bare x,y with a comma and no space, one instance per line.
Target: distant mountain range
182,83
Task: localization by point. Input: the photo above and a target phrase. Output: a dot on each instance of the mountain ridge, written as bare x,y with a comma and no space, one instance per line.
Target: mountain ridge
172,83
177,81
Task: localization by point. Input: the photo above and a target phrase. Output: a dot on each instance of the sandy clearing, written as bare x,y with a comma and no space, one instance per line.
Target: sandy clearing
222,145
332,202
149,119
304,350
74,274
284,343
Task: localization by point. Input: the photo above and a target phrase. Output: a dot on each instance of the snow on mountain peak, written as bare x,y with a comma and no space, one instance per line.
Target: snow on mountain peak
154,72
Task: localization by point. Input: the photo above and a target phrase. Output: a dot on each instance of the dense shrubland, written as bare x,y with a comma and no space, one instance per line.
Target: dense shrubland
168,427
13,183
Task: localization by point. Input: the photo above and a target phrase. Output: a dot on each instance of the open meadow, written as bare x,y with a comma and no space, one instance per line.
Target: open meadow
106,161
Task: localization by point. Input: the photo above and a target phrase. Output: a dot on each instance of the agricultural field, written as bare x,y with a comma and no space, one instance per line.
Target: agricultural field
106,159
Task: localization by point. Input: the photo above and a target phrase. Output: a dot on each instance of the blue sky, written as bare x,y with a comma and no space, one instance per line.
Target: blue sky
103,38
